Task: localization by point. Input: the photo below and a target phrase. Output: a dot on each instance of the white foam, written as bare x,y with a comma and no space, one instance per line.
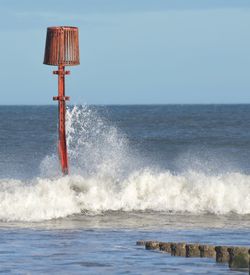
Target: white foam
196,193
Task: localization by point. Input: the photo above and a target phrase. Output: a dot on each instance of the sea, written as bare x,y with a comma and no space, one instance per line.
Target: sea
173,173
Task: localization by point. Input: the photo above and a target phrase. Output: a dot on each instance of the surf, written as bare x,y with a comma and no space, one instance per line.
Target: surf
106,175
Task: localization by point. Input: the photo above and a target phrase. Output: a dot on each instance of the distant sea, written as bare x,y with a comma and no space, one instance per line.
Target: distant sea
165,172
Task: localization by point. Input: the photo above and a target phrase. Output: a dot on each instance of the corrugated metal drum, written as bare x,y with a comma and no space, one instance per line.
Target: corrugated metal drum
62,46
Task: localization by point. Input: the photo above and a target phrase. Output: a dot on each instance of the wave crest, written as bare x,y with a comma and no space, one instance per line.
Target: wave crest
196,193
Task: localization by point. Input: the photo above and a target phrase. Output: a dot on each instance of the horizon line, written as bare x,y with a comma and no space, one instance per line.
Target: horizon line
125,104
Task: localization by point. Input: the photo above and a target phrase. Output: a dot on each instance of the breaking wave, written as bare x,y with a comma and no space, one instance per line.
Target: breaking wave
106,175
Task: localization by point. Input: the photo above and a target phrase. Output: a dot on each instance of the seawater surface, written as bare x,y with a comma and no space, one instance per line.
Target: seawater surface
167,172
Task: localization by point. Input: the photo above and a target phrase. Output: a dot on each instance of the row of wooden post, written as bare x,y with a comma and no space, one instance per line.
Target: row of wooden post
236,257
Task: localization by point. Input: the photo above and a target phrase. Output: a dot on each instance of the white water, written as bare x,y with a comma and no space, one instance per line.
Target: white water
44,199
105,176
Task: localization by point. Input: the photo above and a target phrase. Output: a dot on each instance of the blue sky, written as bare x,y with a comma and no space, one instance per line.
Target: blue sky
132,51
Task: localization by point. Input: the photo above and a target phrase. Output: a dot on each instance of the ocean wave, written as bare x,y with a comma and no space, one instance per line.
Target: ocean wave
105,175
196,193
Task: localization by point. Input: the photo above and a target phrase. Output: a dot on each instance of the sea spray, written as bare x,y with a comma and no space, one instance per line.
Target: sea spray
94,147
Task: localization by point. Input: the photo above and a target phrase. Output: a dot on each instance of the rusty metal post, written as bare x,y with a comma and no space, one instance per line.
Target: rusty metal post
62,48
62,145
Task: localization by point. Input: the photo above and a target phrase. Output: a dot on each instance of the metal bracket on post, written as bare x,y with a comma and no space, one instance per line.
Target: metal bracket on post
62,98
61,72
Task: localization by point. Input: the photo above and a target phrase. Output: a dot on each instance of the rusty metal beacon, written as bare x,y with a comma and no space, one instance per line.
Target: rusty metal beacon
62,49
